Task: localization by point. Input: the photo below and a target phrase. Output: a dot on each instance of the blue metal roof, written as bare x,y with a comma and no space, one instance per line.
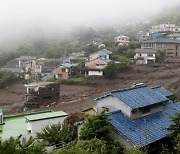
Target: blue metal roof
145,130
162,91
139,96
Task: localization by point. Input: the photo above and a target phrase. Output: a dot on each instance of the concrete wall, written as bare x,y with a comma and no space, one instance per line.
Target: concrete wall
36,126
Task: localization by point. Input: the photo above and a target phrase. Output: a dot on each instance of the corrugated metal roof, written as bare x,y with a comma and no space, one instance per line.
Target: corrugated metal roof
145,130
162,91
139,96
45,116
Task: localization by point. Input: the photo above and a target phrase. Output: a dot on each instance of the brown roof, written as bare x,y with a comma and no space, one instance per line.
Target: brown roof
96,64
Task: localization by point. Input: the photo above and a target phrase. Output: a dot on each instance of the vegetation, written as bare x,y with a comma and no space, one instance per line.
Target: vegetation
72,119
6,78
20,145
160,56
96,126
111,70
56,134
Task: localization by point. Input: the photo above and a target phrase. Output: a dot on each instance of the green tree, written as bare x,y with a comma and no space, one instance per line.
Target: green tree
174,128
71,119
160,56
111,70
96,126
21,145
56,134
125,63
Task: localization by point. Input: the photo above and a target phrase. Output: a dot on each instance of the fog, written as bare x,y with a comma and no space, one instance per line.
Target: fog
27,18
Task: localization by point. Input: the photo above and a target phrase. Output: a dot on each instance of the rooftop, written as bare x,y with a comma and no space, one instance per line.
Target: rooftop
15,125
162,40
145,50
26,58
103,52
48,115
139,96
38,84
144,130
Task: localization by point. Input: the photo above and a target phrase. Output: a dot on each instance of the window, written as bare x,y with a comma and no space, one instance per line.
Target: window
47,97
150,55
140,54
176,47
63,70
145,110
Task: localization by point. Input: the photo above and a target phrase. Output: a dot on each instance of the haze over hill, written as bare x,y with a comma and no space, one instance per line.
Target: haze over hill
34,19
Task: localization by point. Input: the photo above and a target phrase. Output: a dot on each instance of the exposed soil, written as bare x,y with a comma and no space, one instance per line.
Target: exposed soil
75,98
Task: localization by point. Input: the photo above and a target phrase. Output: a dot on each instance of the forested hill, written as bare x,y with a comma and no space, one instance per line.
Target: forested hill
168,15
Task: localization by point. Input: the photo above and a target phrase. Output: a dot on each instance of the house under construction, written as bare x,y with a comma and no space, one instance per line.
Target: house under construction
39,93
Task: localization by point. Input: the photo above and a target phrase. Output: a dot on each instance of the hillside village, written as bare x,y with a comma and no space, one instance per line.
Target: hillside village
122,87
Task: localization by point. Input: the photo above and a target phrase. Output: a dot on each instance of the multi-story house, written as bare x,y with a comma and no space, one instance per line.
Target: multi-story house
122,40
63,71
149,48
139,115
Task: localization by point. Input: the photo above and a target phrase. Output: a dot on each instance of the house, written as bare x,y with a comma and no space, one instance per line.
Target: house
96,67
17,71
143,36
163,28
63,71
175,36
29,66
122,40
139,115
28,124
36,122
171,48
144,56
38,93
99,44
103,54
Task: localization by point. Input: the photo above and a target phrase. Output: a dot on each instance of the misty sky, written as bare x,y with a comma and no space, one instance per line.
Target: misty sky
20,16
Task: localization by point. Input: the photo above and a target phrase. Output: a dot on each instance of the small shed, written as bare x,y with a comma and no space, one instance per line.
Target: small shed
37,122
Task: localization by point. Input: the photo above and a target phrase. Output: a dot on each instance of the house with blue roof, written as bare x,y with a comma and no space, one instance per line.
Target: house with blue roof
139,115
103,54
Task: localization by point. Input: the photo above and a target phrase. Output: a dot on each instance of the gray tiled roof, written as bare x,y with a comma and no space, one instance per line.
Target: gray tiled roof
162,40
145,50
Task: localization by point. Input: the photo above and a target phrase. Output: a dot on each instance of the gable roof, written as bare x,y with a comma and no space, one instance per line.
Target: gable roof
145,130
139,96
103,52
13,70
162,91
26,58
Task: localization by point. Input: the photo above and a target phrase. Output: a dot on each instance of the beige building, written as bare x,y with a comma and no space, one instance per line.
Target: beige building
170,46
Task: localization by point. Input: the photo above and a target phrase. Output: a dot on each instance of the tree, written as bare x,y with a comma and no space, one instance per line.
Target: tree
56,134
96,126
160,56
21,145
94,146
124,63
111,70
71,119
174,128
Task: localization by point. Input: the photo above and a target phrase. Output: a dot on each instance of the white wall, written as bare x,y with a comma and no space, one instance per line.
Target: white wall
98,73
113,104
36,126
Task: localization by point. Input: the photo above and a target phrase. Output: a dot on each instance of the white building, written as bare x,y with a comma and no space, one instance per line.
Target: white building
122,40
37,122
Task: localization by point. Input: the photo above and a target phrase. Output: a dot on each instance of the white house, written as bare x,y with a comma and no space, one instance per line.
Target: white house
37,122
122,40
